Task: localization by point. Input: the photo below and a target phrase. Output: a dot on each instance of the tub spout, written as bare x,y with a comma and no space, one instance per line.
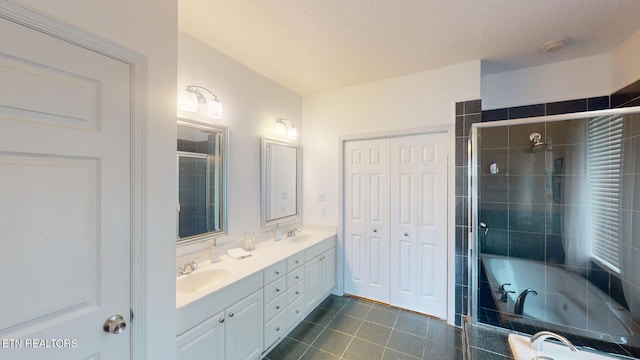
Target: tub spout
519,306
540,337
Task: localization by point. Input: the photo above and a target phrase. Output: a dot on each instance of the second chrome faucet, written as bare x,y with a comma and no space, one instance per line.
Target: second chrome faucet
519,306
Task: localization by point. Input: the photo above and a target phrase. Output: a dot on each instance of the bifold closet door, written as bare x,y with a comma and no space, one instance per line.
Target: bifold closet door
419,223
367,219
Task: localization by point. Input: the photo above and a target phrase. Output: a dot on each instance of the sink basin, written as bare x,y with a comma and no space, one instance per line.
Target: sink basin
199,280
522,350
300,238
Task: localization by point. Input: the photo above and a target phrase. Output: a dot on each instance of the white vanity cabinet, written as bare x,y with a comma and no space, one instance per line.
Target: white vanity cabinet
284,285
205,341
225,324
262,299
235,333
320,273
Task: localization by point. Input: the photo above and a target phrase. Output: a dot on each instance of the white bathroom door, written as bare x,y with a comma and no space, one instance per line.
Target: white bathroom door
64,199
419,223
367,219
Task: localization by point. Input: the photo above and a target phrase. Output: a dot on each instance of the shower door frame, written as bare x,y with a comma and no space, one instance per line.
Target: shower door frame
473,191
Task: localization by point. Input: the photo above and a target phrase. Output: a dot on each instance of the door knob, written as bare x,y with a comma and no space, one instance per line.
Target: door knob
114,325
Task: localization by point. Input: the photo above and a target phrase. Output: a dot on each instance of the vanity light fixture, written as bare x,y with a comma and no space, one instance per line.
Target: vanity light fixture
193,96
285,127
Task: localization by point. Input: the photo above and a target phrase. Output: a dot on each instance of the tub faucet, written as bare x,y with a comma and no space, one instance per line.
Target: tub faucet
519,306
539,338
504,293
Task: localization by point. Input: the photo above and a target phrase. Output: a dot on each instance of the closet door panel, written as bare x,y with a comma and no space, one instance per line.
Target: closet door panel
367,219
418,223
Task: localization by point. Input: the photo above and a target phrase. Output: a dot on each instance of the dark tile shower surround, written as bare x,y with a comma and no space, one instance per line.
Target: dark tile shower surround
466,115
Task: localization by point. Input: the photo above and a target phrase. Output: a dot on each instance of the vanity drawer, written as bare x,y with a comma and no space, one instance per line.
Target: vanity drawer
275,329
275,307
275,289
295,261
295,276
295,312
275,271
296,292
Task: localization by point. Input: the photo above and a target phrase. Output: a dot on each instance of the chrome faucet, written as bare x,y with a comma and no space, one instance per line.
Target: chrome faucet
539,338
292,232
188,268
504,293
519,306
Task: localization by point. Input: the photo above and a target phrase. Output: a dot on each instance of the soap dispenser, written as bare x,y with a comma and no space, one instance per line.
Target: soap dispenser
215,251
277,233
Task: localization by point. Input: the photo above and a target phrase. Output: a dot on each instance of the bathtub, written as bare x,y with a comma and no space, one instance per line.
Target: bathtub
565,301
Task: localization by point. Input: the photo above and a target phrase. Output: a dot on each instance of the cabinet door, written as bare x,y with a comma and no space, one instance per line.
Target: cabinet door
313,281
328,271
244,328
205,341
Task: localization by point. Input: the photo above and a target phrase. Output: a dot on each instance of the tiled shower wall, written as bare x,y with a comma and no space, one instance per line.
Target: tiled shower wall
468,113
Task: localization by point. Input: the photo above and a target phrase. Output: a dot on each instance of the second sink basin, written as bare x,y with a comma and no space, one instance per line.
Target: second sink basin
300,238
199,280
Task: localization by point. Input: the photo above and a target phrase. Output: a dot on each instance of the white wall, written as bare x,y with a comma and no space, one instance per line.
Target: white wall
252,104
625,68
566,80
128,23
413,101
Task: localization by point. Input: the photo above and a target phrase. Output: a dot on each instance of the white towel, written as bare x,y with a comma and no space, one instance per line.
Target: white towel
238,253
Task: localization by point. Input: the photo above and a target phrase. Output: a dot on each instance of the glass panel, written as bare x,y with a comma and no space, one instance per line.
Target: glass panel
553,199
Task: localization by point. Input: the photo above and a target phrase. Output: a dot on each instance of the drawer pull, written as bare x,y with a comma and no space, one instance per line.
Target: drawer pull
297,277
297,311
278,329
277,307
277,272
297,292
297,261
221,320
277,290
230,314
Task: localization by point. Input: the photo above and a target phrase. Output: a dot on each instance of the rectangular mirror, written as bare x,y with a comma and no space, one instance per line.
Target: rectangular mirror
281,173
202,184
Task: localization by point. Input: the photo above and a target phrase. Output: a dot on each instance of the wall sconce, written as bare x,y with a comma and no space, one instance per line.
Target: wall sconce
285,127
193,96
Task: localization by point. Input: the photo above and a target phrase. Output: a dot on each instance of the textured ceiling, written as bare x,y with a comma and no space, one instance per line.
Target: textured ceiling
310,46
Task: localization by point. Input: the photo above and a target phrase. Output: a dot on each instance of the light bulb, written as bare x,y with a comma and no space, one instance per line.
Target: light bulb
280,129
292,133
215,109
188,101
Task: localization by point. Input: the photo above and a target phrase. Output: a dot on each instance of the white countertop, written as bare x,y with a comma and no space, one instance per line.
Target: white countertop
266,253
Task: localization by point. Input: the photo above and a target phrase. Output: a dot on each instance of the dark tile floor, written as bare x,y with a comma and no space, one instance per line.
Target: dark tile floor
348,328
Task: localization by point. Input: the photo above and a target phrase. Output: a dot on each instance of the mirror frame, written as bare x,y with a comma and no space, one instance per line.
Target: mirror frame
265,223
225,160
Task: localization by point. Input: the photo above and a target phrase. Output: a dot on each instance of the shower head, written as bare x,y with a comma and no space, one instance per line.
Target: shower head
538,144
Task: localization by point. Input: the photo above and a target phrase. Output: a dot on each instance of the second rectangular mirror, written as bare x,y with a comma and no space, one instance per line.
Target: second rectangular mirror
281,173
